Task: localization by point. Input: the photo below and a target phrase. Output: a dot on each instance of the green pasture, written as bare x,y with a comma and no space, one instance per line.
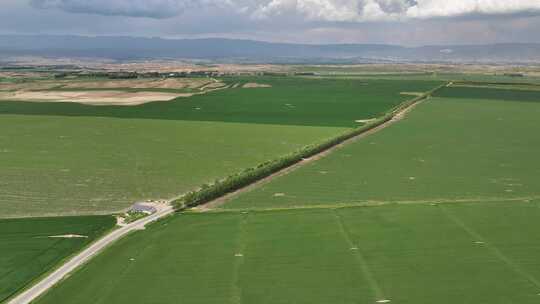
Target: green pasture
508,86
418,253
290,101
445,149
57,165
490,93
27,250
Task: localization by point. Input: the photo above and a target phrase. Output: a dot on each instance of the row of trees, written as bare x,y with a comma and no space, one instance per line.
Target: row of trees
211,191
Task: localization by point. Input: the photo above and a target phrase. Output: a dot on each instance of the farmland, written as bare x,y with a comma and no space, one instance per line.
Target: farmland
491,93
81,165
444,72
446,149
437,207
103,91
448,253
496,85
31,247
69,158
287,101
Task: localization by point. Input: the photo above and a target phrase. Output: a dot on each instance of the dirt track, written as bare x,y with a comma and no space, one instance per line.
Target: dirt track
399,115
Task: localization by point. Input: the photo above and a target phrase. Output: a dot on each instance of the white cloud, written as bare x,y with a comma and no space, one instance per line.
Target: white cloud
314,10
380,10
439,8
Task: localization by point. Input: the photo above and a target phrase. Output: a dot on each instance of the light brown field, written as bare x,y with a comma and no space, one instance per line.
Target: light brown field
106,92
35,85
92,97
168,83
251,85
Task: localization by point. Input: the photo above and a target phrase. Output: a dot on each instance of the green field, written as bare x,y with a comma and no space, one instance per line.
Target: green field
506,86
448,253
451,197
290,101
66,158
445,149
28,251
55,165
490,93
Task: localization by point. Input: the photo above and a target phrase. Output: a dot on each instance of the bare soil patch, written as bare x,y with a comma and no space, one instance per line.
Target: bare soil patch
114,91
169,83
212,86
365,120
411,93
15,86
251,85
68,236
92,97
107,92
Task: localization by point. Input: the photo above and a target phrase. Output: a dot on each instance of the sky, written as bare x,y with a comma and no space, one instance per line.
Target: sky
401,22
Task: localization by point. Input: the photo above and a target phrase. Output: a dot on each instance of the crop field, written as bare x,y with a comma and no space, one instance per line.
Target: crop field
418,253
103,84
69,158
54,165
439,207
490,93
103,91
446,149
286,101
31,247
506,86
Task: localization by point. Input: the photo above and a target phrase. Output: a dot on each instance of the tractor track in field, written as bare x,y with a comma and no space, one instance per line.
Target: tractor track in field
373,203
491,248
361,261
397,116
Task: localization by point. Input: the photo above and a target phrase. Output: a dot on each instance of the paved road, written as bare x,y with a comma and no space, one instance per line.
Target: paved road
39,288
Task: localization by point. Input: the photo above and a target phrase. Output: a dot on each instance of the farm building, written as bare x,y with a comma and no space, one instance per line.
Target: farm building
142,207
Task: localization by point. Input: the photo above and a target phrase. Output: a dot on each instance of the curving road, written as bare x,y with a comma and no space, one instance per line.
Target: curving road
50,280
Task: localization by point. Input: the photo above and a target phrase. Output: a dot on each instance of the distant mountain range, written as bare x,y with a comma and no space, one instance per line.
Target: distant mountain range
234,50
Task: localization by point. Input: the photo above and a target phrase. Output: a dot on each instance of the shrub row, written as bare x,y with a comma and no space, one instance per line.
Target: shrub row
209,192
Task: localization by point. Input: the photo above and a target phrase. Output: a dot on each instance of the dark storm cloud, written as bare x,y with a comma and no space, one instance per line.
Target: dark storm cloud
133,8
395,6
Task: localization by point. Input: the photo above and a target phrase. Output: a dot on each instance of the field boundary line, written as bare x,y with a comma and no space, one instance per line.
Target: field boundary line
373,203
236,297
364,266
490,247
486,84
394,115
